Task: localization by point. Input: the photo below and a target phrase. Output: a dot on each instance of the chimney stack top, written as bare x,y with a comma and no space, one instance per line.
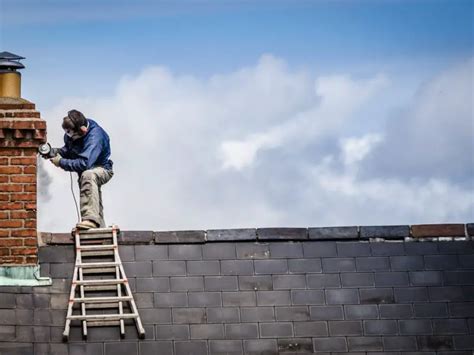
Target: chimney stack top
10,62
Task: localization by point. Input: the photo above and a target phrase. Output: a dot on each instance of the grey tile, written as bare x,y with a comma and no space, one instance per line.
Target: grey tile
376,295
241,331
221,283
156,284
187,283
195,347
276,330
222,314
287,282
326,312
185,252
207,331
331,344
121,348
218,251
365,311
319,249
365,343
357,248
307,297
288,250
172,332
225,347
338,264
399,343
231,234
256,283
292,313
304,266
138,268
311,329
415,327
204,299
380,327
242,298
237,267
257,314
203,267
260,346
175,299
345,328
318,281
189,315
273,298
253,250
169,268
333,233
156,347
151,252
342,296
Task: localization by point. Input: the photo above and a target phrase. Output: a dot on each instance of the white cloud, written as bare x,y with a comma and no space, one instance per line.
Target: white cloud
261,146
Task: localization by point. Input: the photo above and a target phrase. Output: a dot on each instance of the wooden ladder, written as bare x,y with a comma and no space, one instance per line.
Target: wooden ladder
99,269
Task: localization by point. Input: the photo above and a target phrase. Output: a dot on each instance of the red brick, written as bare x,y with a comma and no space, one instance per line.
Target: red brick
4,251
4,233
29,188
30,242
10,152
12,260
18,214
10,170
23,233
23,161
29,170
437,230
3,161
4,178
30,223
11,187
23,251
11,205
30,206
4,197
30,152
8,223
11,242
31,259
23,179
4,215
23,197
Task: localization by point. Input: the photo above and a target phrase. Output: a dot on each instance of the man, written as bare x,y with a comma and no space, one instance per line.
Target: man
87,152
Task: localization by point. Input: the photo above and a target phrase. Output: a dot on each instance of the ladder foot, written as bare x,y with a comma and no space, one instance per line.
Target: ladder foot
122,335
65,338
141,335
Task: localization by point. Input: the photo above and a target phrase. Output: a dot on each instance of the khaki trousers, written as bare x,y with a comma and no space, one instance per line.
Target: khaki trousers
90,183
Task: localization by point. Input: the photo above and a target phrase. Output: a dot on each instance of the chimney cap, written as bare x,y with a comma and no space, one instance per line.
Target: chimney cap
10,62
10,56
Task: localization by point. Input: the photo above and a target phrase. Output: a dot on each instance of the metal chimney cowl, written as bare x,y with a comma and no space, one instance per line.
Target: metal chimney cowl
10,78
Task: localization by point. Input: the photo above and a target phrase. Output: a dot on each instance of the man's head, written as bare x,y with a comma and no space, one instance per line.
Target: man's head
75,124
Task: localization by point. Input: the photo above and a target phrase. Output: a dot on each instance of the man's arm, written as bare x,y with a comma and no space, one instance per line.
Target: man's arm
87,157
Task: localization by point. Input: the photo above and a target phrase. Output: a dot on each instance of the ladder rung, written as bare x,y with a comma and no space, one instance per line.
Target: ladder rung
95,231
95,236
98,271
101,323
99,317
99,305
97,247
102,299
101,282
97,253
96,265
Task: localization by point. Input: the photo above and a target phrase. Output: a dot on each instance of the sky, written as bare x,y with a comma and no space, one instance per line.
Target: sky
227,114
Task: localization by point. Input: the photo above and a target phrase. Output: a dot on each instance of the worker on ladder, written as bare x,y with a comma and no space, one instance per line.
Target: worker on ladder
87,152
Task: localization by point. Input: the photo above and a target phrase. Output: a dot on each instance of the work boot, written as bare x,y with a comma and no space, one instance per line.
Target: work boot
86,224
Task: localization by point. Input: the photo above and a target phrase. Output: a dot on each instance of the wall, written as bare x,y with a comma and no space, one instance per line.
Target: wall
21,132
248,291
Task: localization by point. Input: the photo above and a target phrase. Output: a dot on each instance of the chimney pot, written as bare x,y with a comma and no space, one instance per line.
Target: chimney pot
10,78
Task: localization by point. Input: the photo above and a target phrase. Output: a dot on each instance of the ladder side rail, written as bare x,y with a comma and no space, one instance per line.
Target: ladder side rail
81,287
138,322
117,276
71,296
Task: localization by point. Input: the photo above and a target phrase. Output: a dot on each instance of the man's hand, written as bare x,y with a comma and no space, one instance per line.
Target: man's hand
56,160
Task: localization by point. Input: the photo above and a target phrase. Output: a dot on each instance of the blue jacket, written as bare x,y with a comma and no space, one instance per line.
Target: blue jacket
87,152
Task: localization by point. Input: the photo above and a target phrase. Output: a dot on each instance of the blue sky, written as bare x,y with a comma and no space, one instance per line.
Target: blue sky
349,106
83,41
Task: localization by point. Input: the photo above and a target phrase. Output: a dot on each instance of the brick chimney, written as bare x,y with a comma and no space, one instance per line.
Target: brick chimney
21,132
